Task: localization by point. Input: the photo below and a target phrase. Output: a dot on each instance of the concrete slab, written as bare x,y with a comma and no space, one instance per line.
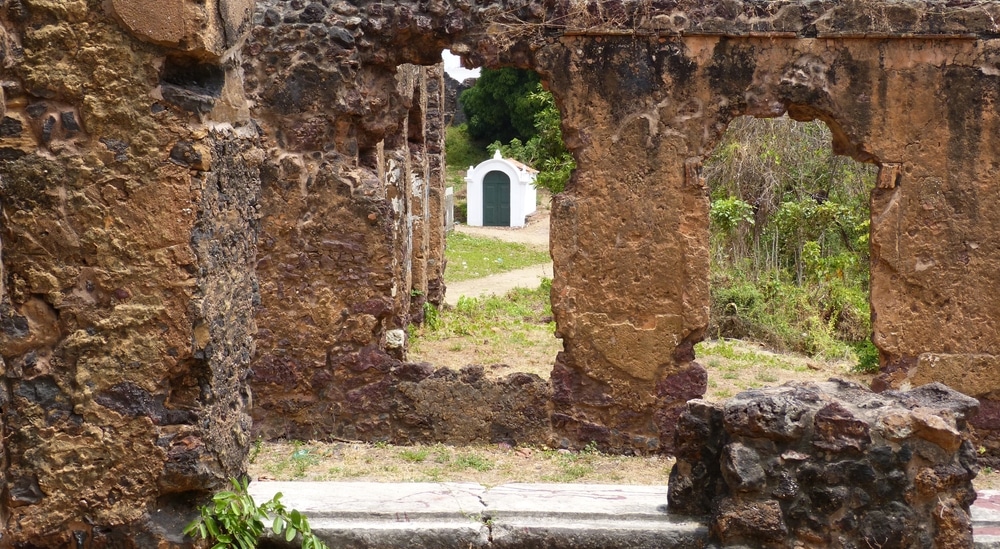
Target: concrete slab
578,501
986,519
393,503
587,516
368,515
373,515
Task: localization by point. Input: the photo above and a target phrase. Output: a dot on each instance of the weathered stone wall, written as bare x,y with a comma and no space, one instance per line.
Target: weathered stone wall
829,465
351,242
629,311
646,89
128,246
155,168
434,134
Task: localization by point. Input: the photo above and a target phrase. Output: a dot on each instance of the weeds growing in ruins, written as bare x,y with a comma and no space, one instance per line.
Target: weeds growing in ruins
495,331
789,236
234,520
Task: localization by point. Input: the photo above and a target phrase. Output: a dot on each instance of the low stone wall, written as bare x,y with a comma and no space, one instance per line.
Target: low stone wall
829,465
373,396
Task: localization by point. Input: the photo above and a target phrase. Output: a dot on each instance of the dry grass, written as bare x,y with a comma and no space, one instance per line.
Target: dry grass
490,465
734,366
534,352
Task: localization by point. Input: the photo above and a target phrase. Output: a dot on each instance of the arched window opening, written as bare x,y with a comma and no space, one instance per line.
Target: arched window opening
502,132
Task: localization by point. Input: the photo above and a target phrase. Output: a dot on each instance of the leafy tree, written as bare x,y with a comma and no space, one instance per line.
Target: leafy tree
545,151
499,107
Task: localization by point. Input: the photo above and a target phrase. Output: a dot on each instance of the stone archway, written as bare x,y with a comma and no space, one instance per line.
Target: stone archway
140,162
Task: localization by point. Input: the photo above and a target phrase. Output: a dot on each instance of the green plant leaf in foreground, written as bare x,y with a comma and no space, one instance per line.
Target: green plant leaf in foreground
233,519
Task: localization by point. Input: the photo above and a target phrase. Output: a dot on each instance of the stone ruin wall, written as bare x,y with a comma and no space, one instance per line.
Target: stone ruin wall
247,195
644,102
128,230
828,465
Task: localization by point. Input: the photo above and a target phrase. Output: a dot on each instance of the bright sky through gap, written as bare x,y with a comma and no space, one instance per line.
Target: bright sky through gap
453,66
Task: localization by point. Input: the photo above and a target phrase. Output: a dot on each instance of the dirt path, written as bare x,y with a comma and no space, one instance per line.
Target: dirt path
498,284
535,233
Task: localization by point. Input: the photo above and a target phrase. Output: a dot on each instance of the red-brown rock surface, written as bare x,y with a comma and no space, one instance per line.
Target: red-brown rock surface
185,199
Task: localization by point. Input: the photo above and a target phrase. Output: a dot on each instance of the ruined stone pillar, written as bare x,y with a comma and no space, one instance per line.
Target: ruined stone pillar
343,236
419,193
434,133
629,242
936,311
829,465
128,186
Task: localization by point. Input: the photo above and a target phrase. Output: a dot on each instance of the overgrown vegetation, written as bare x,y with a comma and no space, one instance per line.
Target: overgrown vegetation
475,256
789,239
233,519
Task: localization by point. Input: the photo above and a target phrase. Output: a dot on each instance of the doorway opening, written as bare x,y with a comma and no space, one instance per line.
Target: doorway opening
789,226
502,127
496,199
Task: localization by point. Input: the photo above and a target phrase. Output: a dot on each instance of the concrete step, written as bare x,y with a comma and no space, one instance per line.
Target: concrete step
368,515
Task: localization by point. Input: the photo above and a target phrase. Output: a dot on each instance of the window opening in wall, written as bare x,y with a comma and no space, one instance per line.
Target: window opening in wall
504,159
789,225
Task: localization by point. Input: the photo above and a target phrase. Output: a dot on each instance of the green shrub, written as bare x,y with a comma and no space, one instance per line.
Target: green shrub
233,519
814,319
868,361
461,151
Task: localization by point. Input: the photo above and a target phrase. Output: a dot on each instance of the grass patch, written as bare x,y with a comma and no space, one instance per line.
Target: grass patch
516,328
414,455
475,257
475,462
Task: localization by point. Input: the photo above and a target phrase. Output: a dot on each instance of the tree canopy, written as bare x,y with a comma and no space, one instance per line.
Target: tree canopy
499,107
545,151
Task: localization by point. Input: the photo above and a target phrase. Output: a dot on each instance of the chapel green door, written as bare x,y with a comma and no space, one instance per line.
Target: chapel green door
496,199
